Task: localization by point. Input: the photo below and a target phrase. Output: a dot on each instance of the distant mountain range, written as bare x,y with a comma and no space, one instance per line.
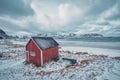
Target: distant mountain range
91,35
60,35
70,35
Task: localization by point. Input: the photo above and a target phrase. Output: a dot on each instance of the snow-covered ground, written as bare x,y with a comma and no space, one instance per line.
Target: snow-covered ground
89,66
97,51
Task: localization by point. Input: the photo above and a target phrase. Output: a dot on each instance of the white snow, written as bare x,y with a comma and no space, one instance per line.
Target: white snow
97,51
20,41
90,66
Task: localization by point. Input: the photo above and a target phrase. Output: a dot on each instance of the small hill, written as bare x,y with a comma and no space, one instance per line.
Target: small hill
3,34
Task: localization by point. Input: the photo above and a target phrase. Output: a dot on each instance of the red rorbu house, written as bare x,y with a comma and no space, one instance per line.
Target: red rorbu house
41,49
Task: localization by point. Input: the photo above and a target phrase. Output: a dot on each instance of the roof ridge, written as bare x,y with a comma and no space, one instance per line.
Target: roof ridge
45,42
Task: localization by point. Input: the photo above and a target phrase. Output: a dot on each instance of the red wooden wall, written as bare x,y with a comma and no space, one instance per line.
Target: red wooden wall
33,59
48,54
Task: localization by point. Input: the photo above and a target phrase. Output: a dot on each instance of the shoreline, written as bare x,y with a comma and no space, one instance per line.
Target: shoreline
94,46
97,51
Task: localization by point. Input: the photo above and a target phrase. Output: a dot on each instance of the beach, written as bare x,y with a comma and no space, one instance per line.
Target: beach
92,63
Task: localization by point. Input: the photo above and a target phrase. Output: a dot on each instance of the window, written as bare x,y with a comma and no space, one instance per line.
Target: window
32,53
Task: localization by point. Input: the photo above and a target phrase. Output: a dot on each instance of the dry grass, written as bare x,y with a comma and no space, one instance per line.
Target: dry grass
17,45
85,62
81,53
42,73
69,68
7,57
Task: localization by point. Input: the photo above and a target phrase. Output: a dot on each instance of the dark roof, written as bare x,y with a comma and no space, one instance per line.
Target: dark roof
45,42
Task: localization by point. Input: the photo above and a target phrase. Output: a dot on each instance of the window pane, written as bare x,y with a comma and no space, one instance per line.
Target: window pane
32,53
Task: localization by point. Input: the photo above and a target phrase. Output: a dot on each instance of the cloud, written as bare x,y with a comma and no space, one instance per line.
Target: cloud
113,13
59,17
13,26
15,8
42,16
102,18
69,13
98,6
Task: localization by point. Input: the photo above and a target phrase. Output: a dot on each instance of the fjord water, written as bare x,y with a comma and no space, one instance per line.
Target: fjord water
107,46
105,42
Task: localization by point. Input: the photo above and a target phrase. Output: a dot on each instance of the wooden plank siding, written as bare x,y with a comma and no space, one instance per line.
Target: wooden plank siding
50,53
38,56
33,59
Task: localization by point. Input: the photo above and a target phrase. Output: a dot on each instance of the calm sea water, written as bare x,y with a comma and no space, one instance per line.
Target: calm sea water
107,43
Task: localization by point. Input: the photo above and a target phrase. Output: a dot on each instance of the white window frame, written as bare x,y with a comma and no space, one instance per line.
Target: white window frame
32,53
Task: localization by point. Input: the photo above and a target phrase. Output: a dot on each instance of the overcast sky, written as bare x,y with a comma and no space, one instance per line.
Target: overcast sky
19,17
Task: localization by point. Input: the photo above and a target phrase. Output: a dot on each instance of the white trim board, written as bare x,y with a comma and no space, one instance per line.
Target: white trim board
41,52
